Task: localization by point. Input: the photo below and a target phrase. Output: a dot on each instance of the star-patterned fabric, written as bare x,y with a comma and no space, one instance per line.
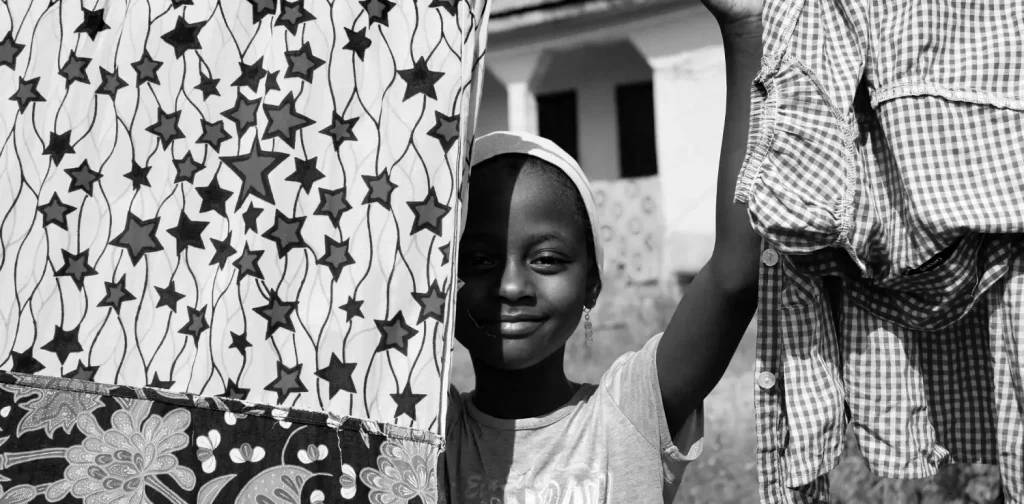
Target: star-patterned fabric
251,199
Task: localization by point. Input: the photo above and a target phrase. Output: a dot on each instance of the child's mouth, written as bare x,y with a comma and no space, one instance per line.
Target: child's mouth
513,328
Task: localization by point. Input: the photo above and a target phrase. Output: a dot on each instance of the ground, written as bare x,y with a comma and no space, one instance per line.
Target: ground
726,472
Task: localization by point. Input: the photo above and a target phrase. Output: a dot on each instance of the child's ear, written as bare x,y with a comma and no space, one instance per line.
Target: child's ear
593,287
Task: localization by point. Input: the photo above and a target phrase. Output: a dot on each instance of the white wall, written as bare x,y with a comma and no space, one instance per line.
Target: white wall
684,50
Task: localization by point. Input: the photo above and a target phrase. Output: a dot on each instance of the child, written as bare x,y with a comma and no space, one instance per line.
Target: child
531,269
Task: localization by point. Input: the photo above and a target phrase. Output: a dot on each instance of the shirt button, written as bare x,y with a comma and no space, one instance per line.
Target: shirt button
766,380
770,257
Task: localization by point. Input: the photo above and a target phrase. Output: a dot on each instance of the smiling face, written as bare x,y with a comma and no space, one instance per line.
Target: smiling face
525,263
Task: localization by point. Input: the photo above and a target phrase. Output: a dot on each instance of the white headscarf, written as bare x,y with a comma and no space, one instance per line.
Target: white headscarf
511,142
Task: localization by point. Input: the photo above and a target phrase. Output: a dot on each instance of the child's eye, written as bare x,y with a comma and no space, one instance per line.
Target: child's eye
550,263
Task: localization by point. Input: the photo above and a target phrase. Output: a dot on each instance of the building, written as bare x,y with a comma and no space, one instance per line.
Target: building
635,89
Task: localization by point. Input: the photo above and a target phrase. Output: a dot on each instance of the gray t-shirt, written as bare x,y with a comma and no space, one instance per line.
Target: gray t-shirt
610,443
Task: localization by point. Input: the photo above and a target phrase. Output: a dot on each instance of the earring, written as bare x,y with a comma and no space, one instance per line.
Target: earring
588,328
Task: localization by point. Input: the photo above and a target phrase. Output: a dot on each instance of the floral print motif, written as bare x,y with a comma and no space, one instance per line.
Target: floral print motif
117,465
176,448
348,481
312,454
405,470
51,410
206,445
246,453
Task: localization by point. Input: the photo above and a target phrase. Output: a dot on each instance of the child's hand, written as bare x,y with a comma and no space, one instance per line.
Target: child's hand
732,12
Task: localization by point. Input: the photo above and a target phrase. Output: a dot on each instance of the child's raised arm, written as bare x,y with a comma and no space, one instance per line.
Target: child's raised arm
709,322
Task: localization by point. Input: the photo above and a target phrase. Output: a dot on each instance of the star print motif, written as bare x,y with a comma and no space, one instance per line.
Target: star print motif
452,6
250,216
446,252
188,233
394,333
302,63
28,92
184,36
338,376
139,175
292,15
25,363
213,134
445,130
214,198
254,168
233,391
262,9
420,80
352,309
305,173
249,263
9,50
288,380
208,86
186,168
340,130
83,178
405,403
179,3
222,251
251,75
169,297
93,23
196,324
145,70
166,127
286,233
59,145
283,121
429,213
117,294
243,114
377,10
332,205
76,266
336,256
240,342
431,303
358,42
64,343
380,189
74,69
56,212
138,237
278,314
83,372
271,83
111,83
160,384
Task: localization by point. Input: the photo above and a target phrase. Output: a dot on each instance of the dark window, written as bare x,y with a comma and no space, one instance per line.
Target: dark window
556,117
635,106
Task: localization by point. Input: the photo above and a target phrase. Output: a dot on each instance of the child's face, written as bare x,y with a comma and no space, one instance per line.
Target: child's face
524,263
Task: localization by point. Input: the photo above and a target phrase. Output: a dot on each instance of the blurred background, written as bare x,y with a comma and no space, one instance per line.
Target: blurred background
635,90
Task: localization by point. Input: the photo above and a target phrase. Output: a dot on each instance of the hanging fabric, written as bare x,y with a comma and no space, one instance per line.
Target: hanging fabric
247,206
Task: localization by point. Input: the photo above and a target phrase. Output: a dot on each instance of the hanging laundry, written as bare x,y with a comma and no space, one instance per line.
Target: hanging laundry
883,175
244,205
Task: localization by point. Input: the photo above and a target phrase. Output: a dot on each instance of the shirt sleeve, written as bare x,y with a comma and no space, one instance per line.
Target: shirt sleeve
632,382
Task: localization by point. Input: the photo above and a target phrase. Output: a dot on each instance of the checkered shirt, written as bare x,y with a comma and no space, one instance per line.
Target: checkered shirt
884,174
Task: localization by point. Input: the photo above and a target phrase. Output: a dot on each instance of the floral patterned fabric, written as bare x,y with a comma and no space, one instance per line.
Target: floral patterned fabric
75,441
251,199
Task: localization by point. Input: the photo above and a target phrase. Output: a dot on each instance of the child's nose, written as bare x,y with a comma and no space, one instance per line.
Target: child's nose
515,283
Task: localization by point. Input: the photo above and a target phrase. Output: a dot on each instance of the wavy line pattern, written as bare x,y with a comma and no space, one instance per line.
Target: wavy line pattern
257,199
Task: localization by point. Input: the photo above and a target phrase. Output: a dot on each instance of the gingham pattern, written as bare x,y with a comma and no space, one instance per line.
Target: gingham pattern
943,82
916,399
865,180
